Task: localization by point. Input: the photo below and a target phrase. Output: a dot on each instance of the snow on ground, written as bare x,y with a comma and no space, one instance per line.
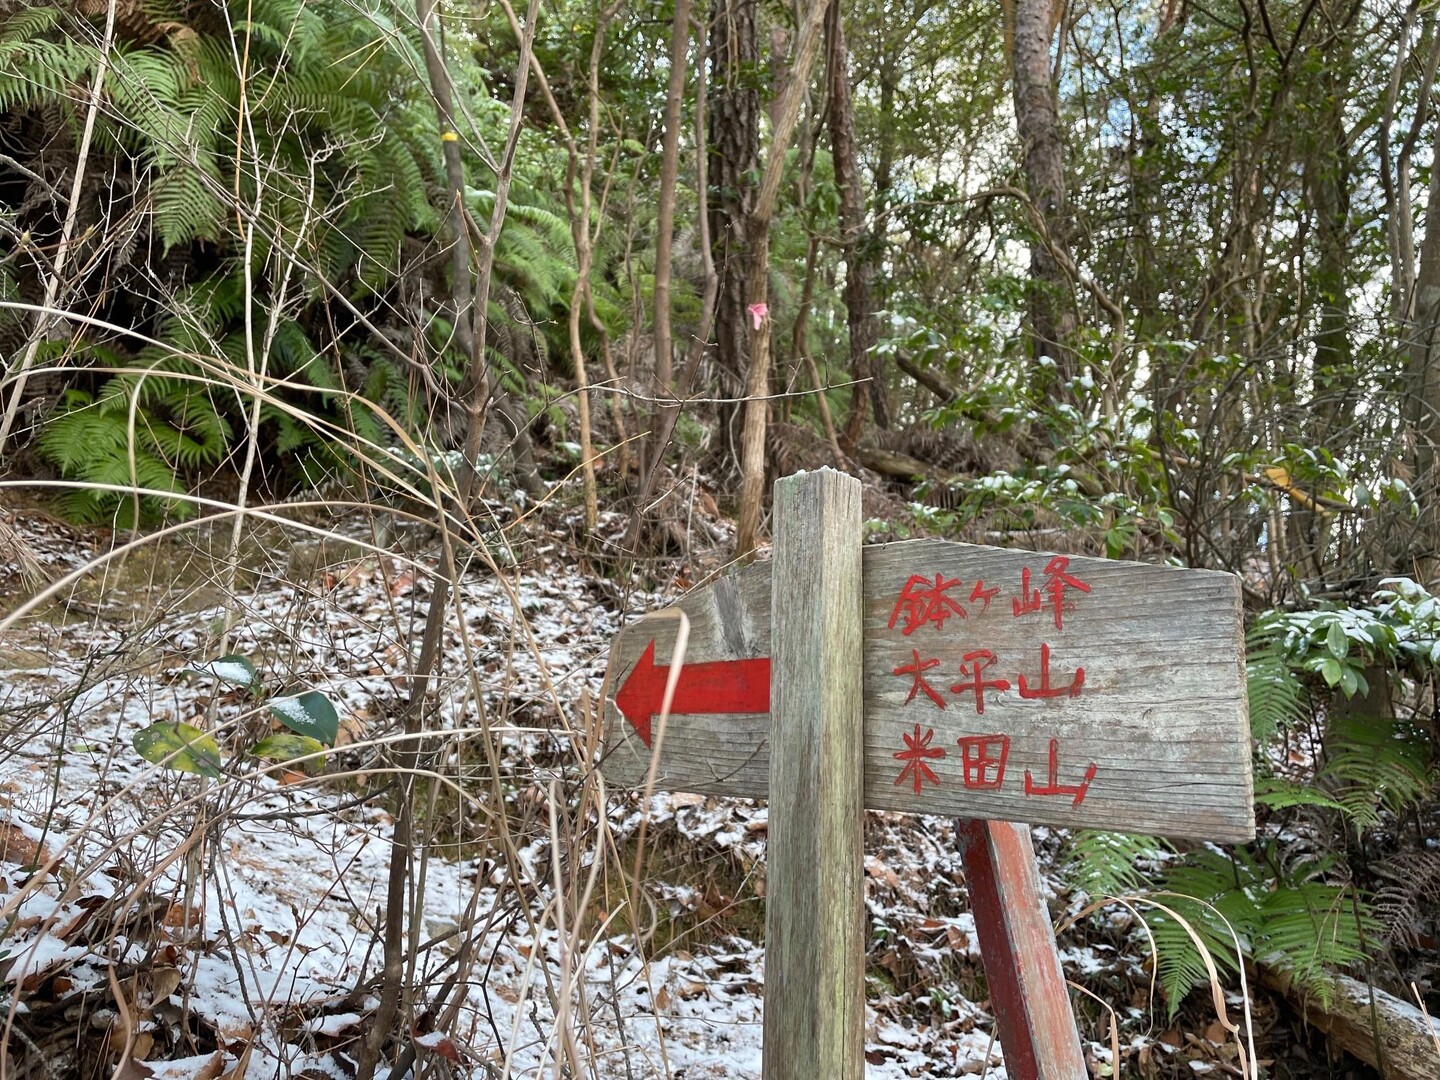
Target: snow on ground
238,919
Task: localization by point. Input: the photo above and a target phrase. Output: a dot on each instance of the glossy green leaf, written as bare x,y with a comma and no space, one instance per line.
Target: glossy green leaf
234,669
285,747
1336,641
308,714
180,747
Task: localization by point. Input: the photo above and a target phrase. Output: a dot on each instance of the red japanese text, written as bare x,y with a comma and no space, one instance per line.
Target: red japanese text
973,666
917,668
1054,787
982,758
1044,689
917,750
1057,581
923,602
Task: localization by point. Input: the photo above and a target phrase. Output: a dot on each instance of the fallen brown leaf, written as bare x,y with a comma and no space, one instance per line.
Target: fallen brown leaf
18,849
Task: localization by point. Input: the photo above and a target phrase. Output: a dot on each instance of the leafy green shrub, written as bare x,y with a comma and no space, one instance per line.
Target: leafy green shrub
330,180
310,716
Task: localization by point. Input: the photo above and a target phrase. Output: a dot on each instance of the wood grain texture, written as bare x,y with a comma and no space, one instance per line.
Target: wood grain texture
1161,713
1028,996
814,911
710,753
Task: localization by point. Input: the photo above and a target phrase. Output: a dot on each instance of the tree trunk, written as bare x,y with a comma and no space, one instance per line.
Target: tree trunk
757,287
664,240
859,245
885,159
1423,404
584,259
734,164
1330,195
1387,1033
1037,119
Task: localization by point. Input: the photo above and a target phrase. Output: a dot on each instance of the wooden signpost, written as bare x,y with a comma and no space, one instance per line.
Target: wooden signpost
930,677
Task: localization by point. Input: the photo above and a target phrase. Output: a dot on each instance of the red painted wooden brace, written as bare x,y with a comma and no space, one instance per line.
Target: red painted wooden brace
1017,945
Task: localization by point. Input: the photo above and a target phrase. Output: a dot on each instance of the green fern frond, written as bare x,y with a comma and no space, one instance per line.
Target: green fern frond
93,445
1180,965
79,431
1112,864
351,158
185,207
1300,922
24,27
200,433
376,238
1313,927
212,302
34,72
291,349
1281,794
163,11
553,228
1374,766
388,387
1276,696
292,435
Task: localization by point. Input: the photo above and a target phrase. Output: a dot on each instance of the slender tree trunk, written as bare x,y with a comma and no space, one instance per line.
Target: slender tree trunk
622,450
1395,167
1037,118
1329,183
664,239
757,291
393,994
471,322
885,159
858,244
734,164
1423,406
700,343
584,258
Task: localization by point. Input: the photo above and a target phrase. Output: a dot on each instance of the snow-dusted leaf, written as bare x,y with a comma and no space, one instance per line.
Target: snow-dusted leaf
284,747
180,747
308,714
235,670
437,1042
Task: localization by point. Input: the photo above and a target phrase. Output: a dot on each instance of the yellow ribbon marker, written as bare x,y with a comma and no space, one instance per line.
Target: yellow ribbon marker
449,136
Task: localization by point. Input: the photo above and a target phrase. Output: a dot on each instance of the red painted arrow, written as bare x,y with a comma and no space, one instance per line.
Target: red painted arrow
721,686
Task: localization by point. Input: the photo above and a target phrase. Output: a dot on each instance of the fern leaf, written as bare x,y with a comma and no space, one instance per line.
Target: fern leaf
1276,696
1112,864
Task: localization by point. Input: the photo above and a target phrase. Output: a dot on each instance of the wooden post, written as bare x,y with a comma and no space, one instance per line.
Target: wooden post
814,914
1017,945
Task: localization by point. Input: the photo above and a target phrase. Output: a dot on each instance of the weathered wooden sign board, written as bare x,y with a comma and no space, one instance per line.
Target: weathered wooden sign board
997,683
935,678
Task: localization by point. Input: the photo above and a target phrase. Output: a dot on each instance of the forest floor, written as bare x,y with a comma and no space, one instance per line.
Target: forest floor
226,929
